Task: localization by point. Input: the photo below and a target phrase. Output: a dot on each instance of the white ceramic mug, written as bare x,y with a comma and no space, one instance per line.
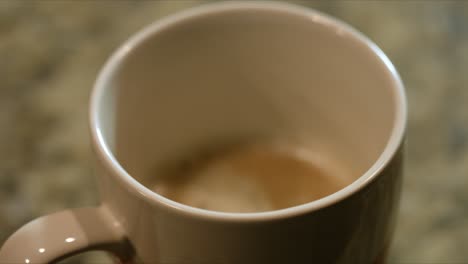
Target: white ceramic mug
236,71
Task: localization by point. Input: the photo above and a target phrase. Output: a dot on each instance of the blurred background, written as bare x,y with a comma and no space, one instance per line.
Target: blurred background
51,51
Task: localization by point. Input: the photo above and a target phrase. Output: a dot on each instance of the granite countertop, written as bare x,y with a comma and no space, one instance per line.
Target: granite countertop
50,52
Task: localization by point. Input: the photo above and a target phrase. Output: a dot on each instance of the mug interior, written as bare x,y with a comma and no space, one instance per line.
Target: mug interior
243,74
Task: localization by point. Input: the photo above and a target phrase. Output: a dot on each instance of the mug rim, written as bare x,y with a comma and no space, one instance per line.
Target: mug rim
112,64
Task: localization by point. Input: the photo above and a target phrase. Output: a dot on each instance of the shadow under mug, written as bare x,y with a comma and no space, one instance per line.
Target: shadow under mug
226,72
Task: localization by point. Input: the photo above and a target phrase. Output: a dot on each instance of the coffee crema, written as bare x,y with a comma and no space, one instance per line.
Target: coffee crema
253,178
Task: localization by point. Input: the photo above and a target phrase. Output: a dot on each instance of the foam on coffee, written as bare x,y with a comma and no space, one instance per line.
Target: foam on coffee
252,178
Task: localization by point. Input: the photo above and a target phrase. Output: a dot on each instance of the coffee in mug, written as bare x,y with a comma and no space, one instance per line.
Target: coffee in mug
251,177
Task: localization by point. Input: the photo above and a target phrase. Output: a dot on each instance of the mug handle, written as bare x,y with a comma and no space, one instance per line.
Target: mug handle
54,237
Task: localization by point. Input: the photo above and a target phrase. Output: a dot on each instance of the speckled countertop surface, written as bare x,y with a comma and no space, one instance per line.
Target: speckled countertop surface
50,53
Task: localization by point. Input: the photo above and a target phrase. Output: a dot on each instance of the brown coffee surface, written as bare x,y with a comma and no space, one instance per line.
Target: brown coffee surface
250,179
